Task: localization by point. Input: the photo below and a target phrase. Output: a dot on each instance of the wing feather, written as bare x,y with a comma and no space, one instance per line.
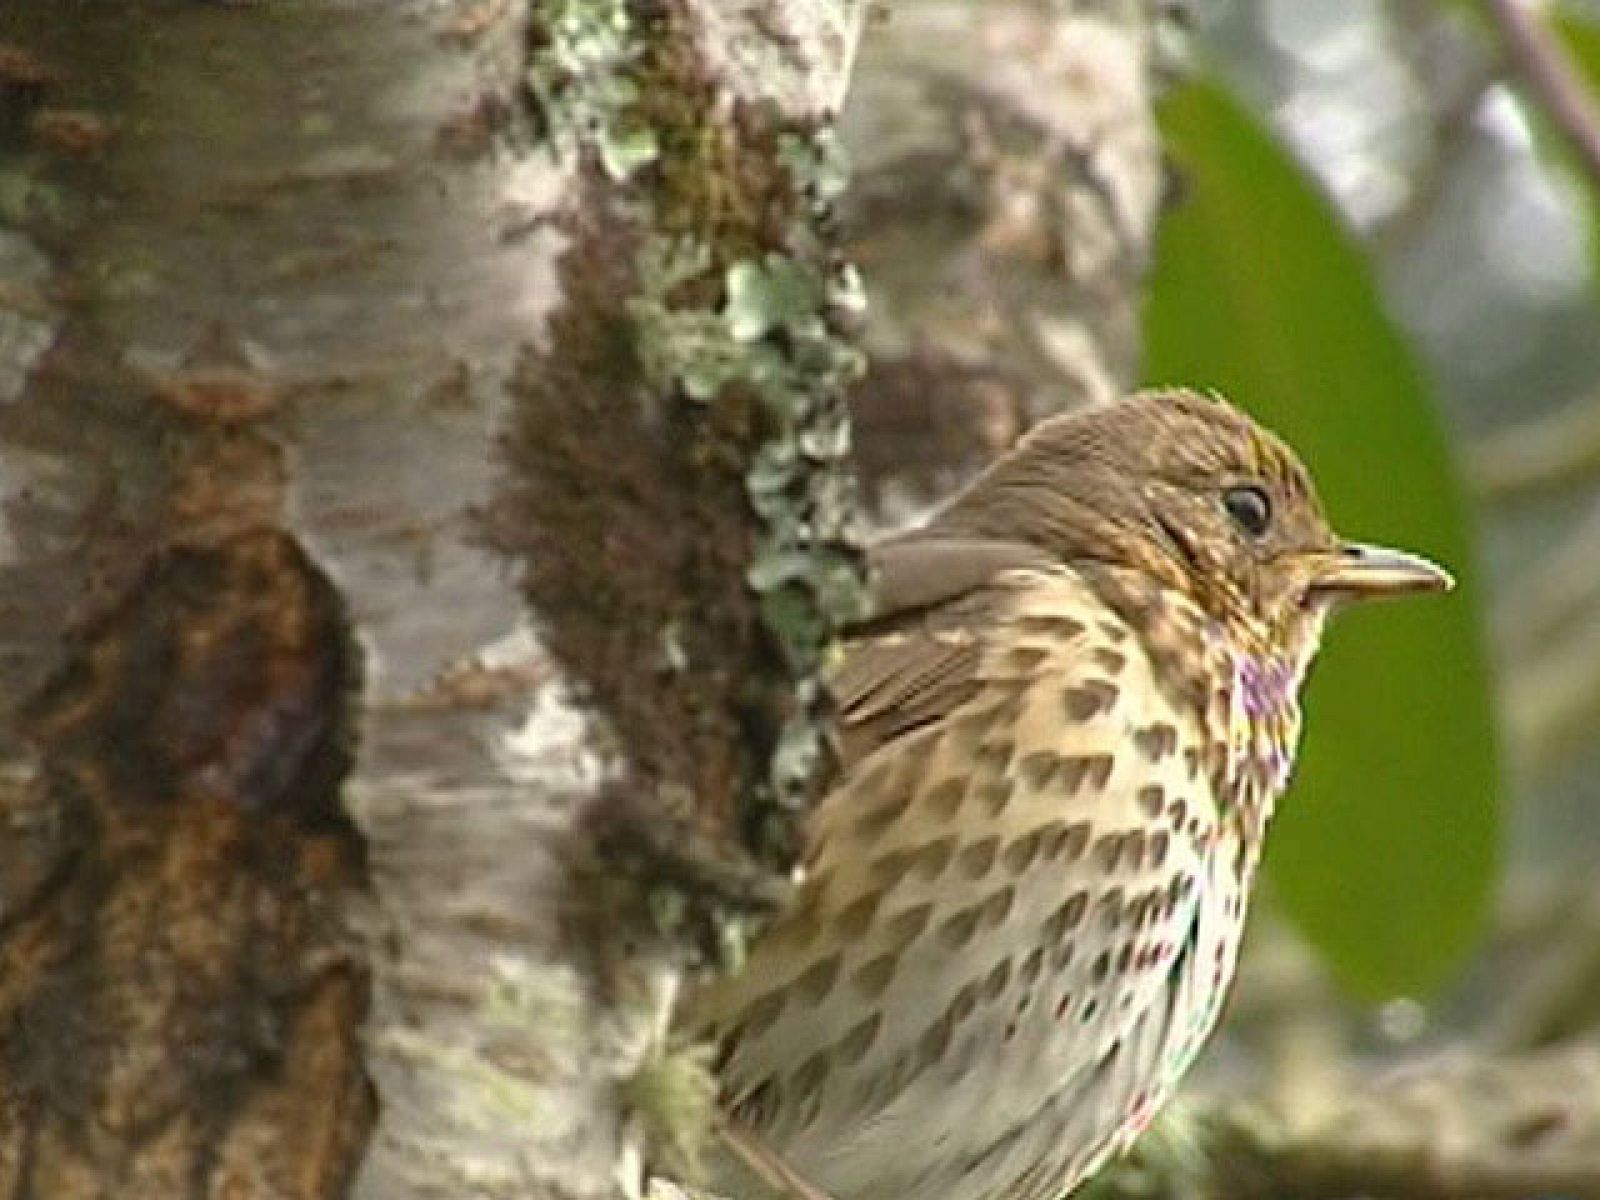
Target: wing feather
916,661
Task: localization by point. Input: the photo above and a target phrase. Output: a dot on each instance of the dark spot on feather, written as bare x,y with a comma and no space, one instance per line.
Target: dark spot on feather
1151,797
889,869
1108,851
944,799
957,931
727,1046
1110,908
1217,761
1037,768
1019,855
756,1108
859,1040
1101,967
818,980
1063,629
811,1075
994,756
935,1040
810,1110
760,1015
1156,741
903,928
872,978
1007,705
1025,659
1067,842
998,906
1067,917
965,1002
993,795
872,823
855,918
1032,965
1088,699
1080,769
1109,660
932,858
977,858
999,976
1158,847
1133,848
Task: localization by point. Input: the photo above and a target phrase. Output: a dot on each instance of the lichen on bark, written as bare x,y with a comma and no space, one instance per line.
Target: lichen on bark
676,498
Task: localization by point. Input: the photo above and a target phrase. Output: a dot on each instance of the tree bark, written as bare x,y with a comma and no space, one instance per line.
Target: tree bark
507,343
1008,180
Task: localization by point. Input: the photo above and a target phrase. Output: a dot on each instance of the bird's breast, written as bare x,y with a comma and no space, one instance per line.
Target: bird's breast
1017,927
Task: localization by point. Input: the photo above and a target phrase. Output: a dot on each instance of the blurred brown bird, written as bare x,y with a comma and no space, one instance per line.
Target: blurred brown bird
1063,735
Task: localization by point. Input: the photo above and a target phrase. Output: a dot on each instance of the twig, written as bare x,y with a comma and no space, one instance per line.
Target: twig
1558,998
1550,451
1452,1128
1553,700
1557,594
768,1166
1550,76
1453,99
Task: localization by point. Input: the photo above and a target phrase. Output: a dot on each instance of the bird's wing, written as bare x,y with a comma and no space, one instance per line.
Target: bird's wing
916,661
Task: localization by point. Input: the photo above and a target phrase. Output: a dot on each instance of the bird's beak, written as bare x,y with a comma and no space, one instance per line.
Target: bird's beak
1355,572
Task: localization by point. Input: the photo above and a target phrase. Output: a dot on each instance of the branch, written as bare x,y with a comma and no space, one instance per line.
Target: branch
1451,1128
1553,700
1551,78
1553,597
1453,97
1456,1127
1549,451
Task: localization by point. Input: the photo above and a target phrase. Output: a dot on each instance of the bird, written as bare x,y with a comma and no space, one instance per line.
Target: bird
1062,733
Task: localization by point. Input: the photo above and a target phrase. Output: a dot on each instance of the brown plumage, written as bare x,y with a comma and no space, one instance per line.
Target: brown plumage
1063,735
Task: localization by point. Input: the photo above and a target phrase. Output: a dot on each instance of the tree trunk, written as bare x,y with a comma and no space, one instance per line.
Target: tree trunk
507,343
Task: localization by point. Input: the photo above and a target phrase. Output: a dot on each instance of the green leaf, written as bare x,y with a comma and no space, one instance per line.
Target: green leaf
1582,40
1385,850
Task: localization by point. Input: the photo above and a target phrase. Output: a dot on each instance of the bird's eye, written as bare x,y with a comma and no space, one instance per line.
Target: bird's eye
1249,507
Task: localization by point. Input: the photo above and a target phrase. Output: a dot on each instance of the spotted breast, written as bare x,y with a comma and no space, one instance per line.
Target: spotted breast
1016,921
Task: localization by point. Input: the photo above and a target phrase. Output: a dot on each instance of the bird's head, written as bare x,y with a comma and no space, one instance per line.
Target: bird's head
1190,492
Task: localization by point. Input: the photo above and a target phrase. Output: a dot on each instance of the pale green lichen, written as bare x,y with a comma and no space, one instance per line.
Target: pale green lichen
739,320
673,1096
774,334
739,298
582,85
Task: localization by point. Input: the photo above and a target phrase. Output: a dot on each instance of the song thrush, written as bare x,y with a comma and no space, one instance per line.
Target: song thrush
1063,734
